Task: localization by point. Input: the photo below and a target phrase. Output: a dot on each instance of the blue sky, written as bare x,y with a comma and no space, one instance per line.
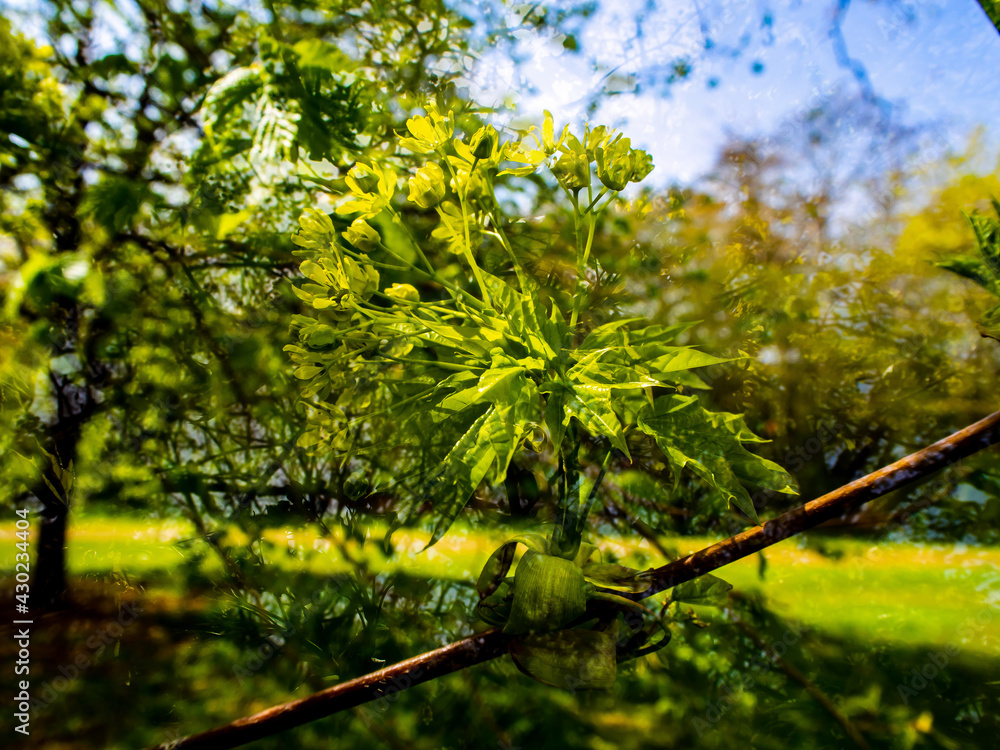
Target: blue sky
754,64
935,61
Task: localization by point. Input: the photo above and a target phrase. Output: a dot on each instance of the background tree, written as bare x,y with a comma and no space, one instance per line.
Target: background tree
114,187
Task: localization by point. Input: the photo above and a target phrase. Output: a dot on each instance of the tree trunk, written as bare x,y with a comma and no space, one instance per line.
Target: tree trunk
48,590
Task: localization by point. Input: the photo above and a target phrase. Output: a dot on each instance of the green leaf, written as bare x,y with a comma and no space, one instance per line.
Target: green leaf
458,475
477,341
971,268
594,412
666,359
502,558
989,324
496,384
708,589
600,379
987,229
453,227
711,445
527,318
503,431
610,335
494,608
685,379
596,334
549,593
491,441
569,659
319,54
307,372
616,577
115,202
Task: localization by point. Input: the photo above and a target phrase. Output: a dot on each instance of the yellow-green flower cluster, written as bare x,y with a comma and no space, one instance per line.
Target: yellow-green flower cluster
335,281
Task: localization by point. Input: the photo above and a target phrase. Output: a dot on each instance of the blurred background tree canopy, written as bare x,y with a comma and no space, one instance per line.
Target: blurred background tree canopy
154,160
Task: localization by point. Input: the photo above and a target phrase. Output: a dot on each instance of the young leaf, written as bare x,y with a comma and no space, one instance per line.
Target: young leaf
711,445
708,589
611,576
989,324
458,476
502,558
973,269
594,412
569,659
549,593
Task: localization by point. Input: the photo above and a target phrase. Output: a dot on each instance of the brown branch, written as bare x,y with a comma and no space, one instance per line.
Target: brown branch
492,643
973,438
384,683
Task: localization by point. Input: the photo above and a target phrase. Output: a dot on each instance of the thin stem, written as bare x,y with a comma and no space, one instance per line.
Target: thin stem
432,274
590,241
522,281
397,219
394,406
598,198
435,363
377,264
585,511
577,292
462,199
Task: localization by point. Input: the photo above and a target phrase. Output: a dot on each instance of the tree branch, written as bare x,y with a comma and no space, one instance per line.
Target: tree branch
492,643
383,683
924,462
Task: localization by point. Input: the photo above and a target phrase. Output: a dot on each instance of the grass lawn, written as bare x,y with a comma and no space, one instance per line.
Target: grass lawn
907,594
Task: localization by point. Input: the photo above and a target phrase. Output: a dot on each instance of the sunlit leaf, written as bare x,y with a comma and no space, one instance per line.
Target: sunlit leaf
710,445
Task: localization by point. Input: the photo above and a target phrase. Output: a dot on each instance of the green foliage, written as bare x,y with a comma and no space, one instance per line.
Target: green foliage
492,362
711,445
984,270
477,313
859,348
992,9
147,197
497,363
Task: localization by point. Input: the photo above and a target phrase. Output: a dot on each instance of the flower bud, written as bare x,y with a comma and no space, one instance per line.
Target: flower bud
573,168
403,293
427,186
362,235
643,165
484,142
595,138
615,164
362,179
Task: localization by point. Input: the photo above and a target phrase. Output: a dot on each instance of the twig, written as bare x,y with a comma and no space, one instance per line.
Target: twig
814,691
492,643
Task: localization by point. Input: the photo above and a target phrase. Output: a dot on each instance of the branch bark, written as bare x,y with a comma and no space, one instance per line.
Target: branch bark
924,462
492,643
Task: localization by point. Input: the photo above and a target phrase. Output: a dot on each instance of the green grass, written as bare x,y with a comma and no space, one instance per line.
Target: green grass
870,619
912,594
